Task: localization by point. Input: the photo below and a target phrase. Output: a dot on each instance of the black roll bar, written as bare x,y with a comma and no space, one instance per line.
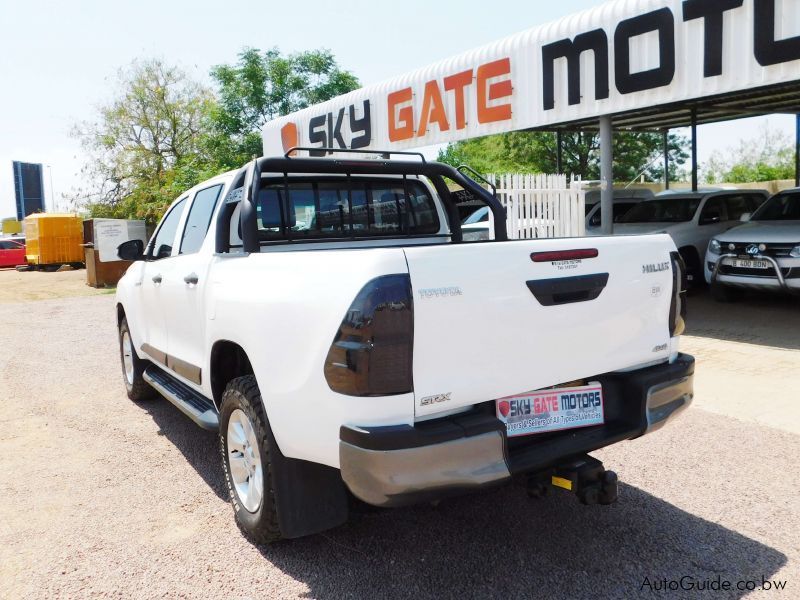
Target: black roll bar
249,212
222,241
476,175
384,153
435,171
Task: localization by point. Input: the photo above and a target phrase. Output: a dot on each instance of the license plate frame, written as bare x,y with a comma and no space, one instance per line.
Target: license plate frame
554,409
746,263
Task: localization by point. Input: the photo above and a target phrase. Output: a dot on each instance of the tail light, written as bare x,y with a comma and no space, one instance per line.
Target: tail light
371,354
564,255
677,308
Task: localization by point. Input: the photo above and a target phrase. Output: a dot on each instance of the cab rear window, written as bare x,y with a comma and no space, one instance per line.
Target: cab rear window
341,208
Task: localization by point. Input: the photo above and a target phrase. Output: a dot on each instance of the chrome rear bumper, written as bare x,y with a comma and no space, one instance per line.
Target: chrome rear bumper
408,475
405,464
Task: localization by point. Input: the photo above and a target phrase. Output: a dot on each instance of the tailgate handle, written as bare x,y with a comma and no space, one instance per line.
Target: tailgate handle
565,290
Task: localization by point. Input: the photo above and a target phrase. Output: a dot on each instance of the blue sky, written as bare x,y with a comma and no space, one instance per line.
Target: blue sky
58,59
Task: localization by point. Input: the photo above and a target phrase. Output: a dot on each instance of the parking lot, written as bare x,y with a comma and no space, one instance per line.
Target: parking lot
104,497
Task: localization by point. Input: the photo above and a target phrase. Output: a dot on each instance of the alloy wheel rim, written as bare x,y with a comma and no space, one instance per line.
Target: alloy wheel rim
244,461
127,357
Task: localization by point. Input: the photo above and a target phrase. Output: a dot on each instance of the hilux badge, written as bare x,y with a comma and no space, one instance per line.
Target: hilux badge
655,268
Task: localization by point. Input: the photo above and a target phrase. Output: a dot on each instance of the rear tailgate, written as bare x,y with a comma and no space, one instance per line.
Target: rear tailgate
480,333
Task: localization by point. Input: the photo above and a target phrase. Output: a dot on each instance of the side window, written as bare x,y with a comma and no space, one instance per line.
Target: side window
322,209
235,231
713,211
162,243
754,201
738,205
199,219
390,215
621,208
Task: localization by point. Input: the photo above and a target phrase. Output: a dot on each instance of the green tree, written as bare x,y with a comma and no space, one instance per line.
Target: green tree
766,157
262,86
146,146
635,153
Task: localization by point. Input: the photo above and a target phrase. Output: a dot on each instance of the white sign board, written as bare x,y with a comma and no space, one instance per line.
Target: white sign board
621,56
110,233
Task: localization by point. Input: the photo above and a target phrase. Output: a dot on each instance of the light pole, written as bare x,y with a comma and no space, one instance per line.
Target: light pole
52,194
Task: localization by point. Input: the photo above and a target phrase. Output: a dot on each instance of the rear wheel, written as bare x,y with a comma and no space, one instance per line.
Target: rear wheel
694,267
132,366
246,460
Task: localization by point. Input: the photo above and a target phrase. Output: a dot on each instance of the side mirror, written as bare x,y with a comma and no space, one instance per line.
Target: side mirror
131,250
745,217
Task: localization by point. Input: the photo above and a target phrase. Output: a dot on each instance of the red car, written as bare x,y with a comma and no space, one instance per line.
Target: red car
12,253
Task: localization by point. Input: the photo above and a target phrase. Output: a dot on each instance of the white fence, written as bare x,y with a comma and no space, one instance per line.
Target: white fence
540,206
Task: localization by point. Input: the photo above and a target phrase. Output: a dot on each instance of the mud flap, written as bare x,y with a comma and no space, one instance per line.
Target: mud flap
309,497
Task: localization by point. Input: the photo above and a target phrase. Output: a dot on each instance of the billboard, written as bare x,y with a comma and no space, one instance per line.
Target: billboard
28,188
619,57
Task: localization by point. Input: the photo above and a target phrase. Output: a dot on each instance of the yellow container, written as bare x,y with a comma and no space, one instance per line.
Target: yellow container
11,226
53,239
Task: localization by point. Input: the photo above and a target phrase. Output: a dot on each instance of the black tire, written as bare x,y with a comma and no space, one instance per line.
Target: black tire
137,388
261,525
725,293
694,268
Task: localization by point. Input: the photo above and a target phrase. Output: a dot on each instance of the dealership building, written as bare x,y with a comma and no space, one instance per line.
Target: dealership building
634,65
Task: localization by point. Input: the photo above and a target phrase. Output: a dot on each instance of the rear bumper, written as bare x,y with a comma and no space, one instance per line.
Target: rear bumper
397,465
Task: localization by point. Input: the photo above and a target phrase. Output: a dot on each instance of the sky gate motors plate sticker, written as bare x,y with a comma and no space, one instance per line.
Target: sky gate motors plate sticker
552,410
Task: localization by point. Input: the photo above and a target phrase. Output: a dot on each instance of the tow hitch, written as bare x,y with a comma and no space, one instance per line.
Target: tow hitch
585,477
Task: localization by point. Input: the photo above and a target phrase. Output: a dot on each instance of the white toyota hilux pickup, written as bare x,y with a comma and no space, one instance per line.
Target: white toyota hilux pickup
313,311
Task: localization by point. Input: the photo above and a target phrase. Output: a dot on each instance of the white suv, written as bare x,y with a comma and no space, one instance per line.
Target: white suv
764,253
624,200
691,219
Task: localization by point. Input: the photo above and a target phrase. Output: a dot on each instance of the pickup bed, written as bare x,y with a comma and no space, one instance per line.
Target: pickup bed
326,318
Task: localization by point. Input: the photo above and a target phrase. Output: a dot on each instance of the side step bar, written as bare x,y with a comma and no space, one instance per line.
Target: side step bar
195,406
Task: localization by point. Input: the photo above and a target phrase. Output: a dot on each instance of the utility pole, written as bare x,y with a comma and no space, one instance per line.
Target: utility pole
54,207
606,176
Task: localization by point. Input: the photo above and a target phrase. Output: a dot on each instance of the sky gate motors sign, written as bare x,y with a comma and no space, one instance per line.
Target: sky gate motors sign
490,83
490,86
619,57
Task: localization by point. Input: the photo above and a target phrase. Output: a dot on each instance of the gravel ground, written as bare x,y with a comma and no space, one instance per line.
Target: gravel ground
22,286
102,497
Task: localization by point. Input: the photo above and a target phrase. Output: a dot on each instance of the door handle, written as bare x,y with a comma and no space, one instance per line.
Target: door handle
565,290
191,279
157,279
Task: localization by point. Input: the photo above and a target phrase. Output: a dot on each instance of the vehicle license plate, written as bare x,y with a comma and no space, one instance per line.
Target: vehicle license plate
747,264
551,410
